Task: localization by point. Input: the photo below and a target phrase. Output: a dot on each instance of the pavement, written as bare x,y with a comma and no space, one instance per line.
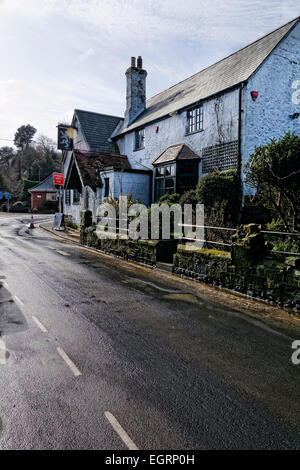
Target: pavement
98,353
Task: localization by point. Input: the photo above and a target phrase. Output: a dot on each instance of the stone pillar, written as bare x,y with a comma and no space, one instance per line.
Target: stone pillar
248,246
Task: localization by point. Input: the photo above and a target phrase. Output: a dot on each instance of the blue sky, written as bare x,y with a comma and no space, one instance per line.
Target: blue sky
57,55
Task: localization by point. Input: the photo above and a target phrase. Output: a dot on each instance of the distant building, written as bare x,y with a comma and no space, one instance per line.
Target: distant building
212,120
44,191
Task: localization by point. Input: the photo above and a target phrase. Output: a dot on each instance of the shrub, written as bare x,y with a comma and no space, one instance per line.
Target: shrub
169,199
273,170
49,207
282,242
72,225
18,207
189,197
216,188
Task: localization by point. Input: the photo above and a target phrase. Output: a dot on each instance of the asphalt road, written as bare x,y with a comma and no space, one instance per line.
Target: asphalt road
104,355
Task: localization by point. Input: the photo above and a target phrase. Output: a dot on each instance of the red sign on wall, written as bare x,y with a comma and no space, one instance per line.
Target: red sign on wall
58,178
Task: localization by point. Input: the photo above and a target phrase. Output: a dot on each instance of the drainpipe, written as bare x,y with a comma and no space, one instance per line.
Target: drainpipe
239,166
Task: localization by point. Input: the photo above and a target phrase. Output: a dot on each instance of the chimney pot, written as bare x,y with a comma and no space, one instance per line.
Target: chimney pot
139,62
133,62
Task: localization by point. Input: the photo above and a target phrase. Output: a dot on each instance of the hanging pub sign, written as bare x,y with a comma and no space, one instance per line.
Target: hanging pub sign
65,137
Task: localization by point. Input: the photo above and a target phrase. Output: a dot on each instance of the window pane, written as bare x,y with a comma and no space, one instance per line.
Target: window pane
195,119
159,188
159,172
106,188
139,139
169,185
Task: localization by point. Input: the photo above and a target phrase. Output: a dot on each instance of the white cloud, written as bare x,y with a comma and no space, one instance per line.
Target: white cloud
73,53
86,54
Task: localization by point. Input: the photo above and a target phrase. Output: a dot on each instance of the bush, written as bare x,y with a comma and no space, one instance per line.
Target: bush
72,225
189,197
282,243
35,210
216,188
169,199
49,207
18,207
273,170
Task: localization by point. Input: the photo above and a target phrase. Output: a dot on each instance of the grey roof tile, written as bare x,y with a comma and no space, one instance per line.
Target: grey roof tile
97,128
45,185
231,71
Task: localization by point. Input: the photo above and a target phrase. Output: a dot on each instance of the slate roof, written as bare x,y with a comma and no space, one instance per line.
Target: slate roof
90,163
97,128
176,152
225,74
45,185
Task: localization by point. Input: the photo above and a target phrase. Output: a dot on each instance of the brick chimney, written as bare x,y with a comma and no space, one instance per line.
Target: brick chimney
135,90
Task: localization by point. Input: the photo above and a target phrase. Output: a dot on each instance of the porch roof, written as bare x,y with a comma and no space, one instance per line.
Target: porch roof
176,152
89,165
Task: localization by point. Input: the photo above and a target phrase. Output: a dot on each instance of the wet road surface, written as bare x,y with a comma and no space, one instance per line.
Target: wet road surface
97,355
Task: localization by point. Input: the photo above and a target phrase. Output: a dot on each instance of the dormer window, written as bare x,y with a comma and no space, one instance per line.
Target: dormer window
139,139
195,119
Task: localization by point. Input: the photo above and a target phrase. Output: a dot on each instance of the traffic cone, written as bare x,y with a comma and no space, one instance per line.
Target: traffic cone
31,225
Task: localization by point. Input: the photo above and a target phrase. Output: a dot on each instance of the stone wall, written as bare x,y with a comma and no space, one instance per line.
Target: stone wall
147,252
249,268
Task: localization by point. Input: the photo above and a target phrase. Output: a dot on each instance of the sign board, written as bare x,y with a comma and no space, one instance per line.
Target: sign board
64,137
58,178
7,195
1,194
58,220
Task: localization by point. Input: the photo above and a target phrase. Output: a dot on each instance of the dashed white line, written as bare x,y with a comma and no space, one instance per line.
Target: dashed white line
39,324
19,301
5,285
120,431
70,363
62,253
51,247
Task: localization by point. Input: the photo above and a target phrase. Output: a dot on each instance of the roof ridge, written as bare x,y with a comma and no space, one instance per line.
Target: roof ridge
102,152
99,114
295,20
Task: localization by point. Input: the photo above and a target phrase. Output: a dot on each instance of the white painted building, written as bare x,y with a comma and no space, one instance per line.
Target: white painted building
215,118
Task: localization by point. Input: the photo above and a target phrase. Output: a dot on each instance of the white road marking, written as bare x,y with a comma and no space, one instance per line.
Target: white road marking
5,285
19,301
70,363
62,253
39,324
51,247
120,431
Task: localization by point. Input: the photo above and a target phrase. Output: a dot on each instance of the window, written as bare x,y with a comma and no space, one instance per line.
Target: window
68,197
106,187
76,196
159,189
195,119
139,139
164,180
51,197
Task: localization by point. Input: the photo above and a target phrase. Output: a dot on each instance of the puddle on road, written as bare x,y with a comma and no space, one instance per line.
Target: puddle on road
183,297
12,319
162,292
